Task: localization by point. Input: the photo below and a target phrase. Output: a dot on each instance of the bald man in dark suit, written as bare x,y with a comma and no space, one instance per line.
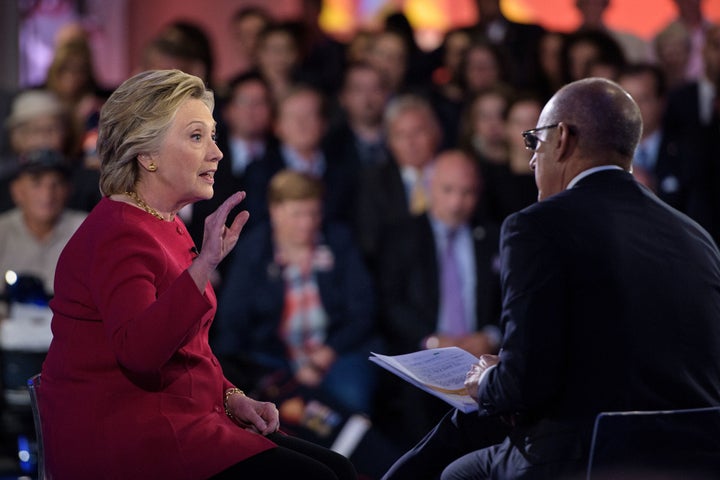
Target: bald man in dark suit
600,279
415,296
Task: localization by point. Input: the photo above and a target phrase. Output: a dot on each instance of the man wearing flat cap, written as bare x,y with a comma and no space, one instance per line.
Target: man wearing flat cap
37,121
33,234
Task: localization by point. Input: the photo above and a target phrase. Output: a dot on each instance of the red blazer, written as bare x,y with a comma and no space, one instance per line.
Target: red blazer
130,387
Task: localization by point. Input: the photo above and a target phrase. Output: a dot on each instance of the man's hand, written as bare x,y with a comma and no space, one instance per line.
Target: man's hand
474,376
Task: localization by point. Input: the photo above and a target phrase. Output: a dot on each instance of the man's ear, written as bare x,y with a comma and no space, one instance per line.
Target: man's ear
566,142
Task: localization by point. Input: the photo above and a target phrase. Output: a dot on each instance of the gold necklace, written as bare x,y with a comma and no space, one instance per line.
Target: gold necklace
141,203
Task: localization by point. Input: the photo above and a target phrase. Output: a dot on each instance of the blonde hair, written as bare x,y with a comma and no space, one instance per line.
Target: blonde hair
291,185
135,119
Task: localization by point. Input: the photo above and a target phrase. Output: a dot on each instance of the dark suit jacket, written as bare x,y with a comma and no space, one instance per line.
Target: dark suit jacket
611,301
253,297
409,282
341,143
382,202
688,160
520,45
340,186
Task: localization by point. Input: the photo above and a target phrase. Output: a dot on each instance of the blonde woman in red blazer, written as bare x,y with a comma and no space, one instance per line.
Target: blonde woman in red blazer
130,387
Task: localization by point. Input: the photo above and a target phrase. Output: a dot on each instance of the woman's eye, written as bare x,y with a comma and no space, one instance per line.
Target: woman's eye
196,136
214,137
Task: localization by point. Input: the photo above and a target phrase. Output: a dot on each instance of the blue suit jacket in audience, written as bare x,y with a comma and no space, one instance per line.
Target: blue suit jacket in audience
338,199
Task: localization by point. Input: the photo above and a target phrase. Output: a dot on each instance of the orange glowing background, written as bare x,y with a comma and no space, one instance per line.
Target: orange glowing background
432,17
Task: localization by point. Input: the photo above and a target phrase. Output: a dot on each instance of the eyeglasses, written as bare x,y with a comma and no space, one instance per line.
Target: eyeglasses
532,142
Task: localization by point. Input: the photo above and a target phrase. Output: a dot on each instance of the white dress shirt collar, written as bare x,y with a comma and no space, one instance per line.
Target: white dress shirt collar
589,172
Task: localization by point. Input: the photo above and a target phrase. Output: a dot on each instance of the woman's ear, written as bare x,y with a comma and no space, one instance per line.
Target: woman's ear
146,161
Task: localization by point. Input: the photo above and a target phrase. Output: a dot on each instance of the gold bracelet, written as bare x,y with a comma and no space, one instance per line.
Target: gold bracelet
228,393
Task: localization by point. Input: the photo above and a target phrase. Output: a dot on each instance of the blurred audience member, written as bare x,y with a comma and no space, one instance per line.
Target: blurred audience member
483,136
419,63
519,41
604,69
419,309
690,16
359,137
72,79
300,125
439,284
653,162
691,123
322,57
397,189
182,45
551,70
673,46
37,121
389,55
33,234
358,48
692,105
299,299
248,120
448,89
245,27
635,49
482,67
585,48
446,76
522,114
278,57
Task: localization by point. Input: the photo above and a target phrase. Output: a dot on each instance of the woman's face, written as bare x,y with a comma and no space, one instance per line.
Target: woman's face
523,115
581,56
297,222
456,44
188,156
277,54
388,55
73,78
489,119
550,48
481,69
